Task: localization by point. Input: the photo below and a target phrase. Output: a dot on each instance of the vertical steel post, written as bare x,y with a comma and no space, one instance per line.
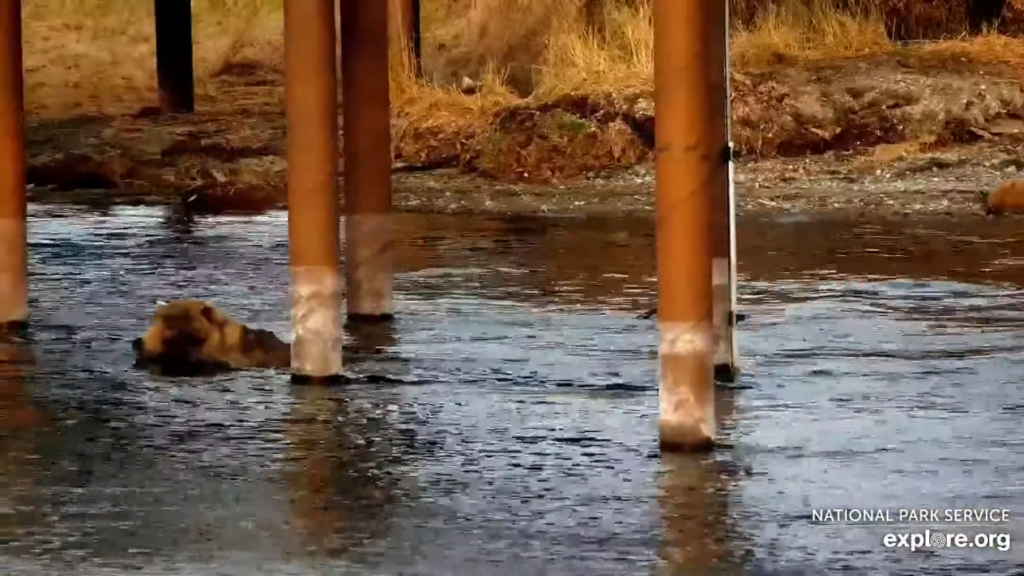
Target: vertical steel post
685,166
311,102
723,224
13,240
734,315
175,81
366,117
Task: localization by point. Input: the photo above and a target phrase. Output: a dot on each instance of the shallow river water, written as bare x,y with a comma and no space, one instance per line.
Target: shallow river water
506,422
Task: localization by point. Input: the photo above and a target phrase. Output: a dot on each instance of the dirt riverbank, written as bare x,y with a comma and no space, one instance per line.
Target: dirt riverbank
909,133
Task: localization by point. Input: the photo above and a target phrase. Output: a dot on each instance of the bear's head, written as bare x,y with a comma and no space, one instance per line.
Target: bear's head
192,336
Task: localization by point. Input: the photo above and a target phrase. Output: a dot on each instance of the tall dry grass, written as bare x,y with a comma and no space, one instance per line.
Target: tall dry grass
97,55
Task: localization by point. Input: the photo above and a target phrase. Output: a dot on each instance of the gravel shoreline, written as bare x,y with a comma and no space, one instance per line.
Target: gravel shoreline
949,182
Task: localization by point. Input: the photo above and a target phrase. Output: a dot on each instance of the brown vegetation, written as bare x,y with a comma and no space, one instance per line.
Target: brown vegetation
560,88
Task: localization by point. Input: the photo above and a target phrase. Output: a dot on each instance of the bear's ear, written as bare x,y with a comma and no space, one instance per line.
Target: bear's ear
207,312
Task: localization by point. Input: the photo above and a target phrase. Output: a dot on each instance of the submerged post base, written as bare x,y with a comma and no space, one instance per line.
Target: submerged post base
669,446
686,391
305,380
727,373
14,328
368,319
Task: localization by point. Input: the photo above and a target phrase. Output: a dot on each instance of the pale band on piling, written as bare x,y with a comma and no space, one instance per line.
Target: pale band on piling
316,317
686,404
369,241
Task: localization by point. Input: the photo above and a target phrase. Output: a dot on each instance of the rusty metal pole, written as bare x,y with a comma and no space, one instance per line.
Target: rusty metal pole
685,164
723,218
405,35
13,236
311,103
366,117
175,81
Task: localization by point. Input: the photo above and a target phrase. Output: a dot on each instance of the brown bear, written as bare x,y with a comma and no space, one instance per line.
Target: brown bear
191,337
1007,198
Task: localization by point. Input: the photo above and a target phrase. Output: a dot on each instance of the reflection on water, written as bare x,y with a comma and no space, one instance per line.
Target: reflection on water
700,536
20,422
342,487
506,421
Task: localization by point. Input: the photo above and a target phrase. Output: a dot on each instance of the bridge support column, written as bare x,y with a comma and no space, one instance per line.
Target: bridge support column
311,102
686,158
366,117
175,82
13,235
723,209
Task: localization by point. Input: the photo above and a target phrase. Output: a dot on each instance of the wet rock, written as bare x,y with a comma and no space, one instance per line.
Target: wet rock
188,337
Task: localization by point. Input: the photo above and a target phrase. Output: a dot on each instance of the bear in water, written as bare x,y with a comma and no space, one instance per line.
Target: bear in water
192,337
1007,198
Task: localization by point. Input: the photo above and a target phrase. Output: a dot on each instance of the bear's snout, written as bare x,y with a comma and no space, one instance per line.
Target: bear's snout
137,345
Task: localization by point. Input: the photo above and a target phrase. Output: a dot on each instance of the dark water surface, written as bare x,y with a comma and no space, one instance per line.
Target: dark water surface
884,368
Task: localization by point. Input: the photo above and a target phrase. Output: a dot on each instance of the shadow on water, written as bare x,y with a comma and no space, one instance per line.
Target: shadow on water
510,424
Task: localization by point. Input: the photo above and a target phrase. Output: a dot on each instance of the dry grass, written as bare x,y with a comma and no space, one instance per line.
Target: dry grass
97,56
